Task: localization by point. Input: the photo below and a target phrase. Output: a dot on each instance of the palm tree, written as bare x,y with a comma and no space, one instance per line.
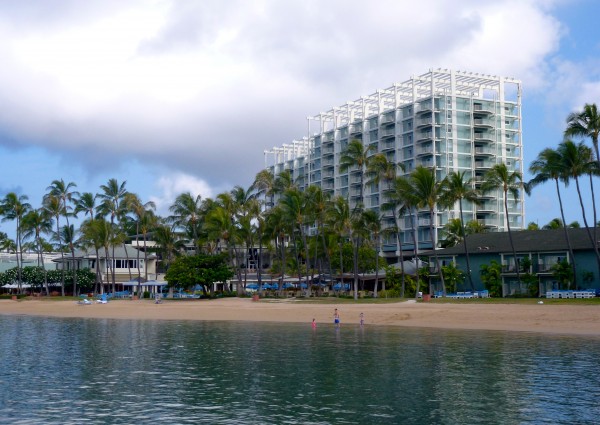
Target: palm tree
585,124
456,189
318,204
132,203
425,192
293,203
97,233
168,242
399,201
148,222
110,201
63,191
381,169
14,207
86,204
500,177
474,227
53,206
186,213
372,223
283,182
575,162
339,218
453,233
356,155
555,223
68,234
66,195
277,227
264,184
35,223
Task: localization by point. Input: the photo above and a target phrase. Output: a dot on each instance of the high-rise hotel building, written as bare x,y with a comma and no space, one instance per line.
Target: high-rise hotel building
444,119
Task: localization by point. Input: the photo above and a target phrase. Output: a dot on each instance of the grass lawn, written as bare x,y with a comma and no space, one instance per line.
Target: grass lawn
334,300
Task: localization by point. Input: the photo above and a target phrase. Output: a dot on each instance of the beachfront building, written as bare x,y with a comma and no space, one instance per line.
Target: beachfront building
445,120
124,262
538,251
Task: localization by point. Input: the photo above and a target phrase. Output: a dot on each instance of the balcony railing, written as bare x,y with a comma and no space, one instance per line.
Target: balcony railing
484,109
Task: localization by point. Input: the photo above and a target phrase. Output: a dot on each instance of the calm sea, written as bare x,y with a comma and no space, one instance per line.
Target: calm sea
74,371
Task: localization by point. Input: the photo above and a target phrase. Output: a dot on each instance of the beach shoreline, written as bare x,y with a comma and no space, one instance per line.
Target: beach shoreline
540,318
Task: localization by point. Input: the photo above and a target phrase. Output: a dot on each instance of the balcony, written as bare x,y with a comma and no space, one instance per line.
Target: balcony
356,128
424,136
424,222
425,122
484,136
483,165
388,145
426,150
423,107
478,108
511,110
387,132
487,207
544,267
483,151
388,118
480,122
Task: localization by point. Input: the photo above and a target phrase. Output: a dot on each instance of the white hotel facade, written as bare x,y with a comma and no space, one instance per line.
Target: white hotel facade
444,119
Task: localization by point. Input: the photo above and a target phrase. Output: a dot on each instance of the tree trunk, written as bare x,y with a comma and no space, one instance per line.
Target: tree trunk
571,253
355,267
434,247
464,235
98,274
415,237
74,271
306,252
43,265
62,259
376,265
512,245
401,253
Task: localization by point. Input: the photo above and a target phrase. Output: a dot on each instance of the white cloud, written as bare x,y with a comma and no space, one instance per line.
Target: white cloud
172,185
204,87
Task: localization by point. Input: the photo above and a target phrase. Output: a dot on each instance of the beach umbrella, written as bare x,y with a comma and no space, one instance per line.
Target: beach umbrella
288,285
252,286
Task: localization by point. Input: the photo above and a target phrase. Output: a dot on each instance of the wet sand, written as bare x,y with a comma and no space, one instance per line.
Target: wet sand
556,319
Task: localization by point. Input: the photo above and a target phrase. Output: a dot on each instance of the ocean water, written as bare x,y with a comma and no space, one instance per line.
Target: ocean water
86,371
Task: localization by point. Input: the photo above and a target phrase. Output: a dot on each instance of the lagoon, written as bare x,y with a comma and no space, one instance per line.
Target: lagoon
102,371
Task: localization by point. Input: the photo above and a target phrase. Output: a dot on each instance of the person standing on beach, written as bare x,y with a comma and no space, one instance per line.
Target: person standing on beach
314,323
336,318
362,319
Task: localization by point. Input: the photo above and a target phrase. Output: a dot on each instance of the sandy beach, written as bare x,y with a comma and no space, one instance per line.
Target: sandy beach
556,319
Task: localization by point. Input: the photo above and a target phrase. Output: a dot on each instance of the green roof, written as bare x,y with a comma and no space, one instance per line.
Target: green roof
524,241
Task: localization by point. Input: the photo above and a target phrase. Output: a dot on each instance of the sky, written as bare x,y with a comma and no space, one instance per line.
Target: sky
173,96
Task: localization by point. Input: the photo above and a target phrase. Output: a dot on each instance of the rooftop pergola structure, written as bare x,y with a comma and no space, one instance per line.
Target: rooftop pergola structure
418,87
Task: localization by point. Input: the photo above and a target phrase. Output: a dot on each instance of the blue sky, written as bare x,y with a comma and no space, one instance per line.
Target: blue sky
175,96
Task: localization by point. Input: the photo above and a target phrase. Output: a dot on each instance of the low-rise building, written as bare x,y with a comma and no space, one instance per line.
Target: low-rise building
538,250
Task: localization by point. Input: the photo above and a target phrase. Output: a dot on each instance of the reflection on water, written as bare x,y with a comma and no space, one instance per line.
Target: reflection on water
73,371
